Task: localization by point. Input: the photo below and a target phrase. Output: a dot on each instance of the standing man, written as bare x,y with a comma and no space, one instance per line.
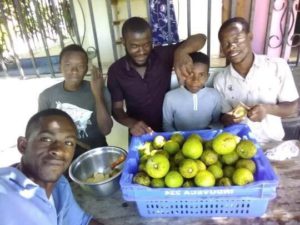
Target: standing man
142,77
262,83
34,192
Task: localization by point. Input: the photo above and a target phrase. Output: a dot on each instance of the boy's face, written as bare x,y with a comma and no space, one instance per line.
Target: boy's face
198,77
49,149
236,43
73,66
138,47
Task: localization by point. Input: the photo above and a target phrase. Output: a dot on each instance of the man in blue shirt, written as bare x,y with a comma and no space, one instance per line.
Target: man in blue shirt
34,191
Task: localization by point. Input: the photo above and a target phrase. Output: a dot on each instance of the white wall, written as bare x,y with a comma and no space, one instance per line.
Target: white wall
119,12
199,13
102,28
138,8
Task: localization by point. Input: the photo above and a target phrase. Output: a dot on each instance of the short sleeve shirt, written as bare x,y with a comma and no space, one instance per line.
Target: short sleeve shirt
269,81
24,202
143,96
80,105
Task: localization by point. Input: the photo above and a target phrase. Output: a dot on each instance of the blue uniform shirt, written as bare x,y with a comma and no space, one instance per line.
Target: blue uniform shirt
24,202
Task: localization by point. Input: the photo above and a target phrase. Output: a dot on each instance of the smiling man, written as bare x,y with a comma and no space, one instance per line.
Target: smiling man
140,79
262,83
34,192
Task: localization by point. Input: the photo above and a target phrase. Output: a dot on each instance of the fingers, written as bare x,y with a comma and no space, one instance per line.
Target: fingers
96,82
244,105
238,120
149,130
140,128
180,78
183,67
186,71
183,73
254,116
257,113
96,73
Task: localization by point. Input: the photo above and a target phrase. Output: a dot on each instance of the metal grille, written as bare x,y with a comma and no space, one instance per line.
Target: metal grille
28,30
33,32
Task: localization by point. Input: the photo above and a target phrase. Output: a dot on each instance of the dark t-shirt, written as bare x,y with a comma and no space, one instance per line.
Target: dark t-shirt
80,105
143,96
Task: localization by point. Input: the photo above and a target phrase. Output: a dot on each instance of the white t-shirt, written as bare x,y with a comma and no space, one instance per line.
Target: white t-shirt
269,80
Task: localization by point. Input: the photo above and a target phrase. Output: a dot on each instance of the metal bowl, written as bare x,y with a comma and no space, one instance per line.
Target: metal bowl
93,161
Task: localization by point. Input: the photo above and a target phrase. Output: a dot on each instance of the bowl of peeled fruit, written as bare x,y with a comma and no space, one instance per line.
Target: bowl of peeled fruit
98,170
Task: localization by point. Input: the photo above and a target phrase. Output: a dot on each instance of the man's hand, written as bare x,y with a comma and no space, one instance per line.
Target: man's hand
183,65
140,128
103,117
95,222
257,113
229,119
97,82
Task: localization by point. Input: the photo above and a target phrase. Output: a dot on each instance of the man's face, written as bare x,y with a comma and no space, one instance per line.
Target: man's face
49,149
138,47
73,66
198,78
236,43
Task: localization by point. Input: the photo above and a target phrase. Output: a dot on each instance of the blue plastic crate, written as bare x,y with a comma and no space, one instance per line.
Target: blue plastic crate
235,201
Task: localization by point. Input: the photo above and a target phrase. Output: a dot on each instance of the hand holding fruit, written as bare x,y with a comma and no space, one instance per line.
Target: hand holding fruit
229,119
140,128
237,115
240,111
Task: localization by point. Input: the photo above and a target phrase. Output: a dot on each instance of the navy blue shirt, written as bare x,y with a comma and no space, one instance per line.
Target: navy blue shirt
143,96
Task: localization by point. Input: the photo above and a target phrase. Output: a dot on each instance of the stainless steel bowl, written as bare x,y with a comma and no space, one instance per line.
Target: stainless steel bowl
97,160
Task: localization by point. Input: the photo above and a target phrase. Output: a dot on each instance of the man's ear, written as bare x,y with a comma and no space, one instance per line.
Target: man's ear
22,144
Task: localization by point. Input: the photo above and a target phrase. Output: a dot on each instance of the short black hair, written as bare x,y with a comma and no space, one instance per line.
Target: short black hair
136,25
35,119
72,48
199,57
239,20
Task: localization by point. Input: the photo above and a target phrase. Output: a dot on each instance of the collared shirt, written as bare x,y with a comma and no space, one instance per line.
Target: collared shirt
143,96
268,81
24,202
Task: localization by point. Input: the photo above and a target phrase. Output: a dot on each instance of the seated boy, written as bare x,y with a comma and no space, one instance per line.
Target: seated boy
193,106
88,103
